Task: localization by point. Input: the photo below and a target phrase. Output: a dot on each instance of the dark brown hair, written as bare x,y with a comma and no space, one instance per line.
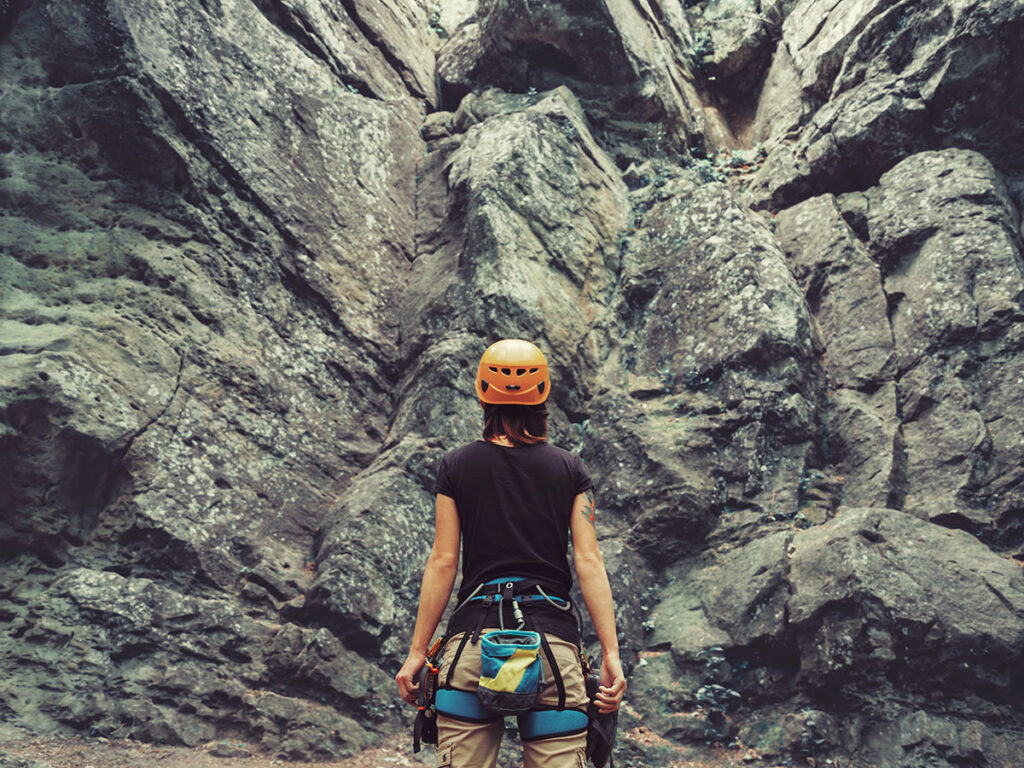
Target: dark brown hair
521,424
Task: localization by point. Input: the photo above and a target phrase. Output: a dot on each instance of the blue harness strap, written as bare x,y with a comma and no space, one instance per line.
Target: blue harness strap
551,723
462,705
533,726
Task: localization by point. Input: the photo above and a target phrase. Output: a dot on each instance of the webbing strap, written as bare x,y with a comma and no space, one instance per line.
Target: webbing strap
455,659
462,705
480,622
554,670
559,683
551,723
417,731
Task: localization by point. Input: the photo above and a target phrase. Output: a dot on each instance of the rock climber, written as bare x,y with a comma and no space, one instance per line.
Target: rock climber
513,646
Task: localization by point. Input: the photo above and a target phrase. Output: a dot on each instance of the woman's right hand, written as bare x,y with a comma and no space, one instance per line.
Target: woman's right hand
408,688
612,687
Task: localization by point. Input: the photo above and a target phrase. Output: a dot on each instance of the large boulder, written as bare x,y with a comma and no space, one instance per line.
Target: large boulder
843,289
712,376
128,654
944,230
875,600
623,60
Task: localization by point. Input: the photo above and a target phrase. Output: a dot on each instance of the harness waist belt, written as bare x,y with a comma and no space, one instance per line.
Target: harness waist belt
533,726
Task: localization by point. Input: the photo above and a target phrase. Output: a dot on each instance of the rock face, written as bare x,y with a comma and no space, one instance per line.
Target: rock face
773,251
206,236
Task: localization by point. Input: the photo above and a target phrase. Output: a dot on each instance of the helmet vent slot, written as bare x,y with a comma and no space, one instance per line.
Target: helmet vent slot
520,371
534,370
507,371
492,369
540,387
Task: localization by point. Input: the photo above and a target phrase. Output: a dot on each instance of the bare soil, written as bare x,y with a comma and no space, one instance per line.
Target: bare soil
79,752
52,751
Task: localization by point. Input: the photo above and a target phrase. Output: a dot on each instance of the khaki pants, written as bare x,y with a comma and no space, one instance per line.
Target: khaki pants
463,744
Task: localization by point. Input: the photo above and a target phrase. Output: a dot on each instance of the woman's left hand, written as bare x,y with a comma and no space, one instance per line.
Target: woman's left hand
612,685
408,688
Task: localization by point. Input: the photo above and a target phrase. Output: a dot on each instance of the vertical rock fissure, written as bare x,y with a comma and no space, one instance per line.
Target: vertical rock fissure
375,40
293,24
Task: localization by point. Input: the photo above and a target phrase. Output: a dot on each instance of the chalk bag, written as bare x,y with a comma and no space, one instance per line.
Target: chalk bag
510,671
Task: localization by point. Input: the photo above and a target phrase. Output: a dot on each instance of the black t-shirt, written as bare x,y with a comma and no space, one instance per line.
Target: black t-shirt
514,506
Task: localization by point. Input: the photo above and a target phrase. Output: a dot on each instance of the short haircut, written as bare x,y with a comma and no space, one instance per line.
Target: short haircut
521,424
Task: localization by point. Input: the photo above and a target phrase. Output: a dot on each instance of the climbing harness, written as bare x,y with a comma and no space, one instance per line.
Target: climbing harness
510,664
525,644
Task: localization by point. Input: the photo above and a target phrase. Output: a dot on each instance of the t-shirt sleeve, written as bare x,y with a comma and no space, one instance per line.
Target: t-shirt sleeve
444,483
583,480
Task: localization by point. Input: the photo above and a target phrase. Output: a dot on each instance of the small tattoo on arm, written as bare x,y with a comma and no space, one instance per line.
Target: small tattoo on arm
590,513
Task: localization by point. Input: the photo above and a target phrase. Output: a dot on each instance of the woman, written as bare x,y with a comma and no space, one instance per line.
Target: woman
514,499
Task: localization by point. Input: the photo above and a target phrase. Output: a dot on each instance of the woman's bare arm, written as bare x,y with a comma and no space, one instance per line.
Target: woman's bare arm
438,580
597,593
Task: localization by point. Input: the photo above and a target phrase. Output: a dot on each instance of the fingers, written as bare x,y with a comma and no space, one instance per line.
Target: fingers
610,696
407,689
616,689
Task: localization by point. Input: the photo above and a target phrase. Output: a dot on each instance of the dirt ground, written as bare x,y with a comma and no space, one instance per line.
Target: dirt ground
18,749
76,752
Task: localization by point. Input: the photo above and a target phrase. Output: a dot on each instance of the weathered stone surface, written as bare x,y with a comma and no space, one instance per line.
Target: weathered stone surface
952,271
382,49
528,240
714,384
128,654
865,445
874,596
737,36
843,289
196,352
921,737
885,589
750,604
617,48
453,14
11,761
248,272
884,81
817,34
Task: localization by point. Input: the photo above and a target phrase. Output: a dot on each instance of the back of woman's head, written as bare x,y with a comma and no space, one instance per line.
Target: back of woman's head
521,424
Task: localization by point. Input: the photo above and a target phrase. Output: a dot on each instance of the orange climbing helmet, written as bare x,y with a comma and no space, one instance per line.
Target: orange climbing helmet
513,371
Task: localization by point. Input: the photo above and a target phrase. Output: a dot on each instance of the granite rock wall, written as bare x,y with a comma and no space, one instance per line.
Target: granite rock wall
252,251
